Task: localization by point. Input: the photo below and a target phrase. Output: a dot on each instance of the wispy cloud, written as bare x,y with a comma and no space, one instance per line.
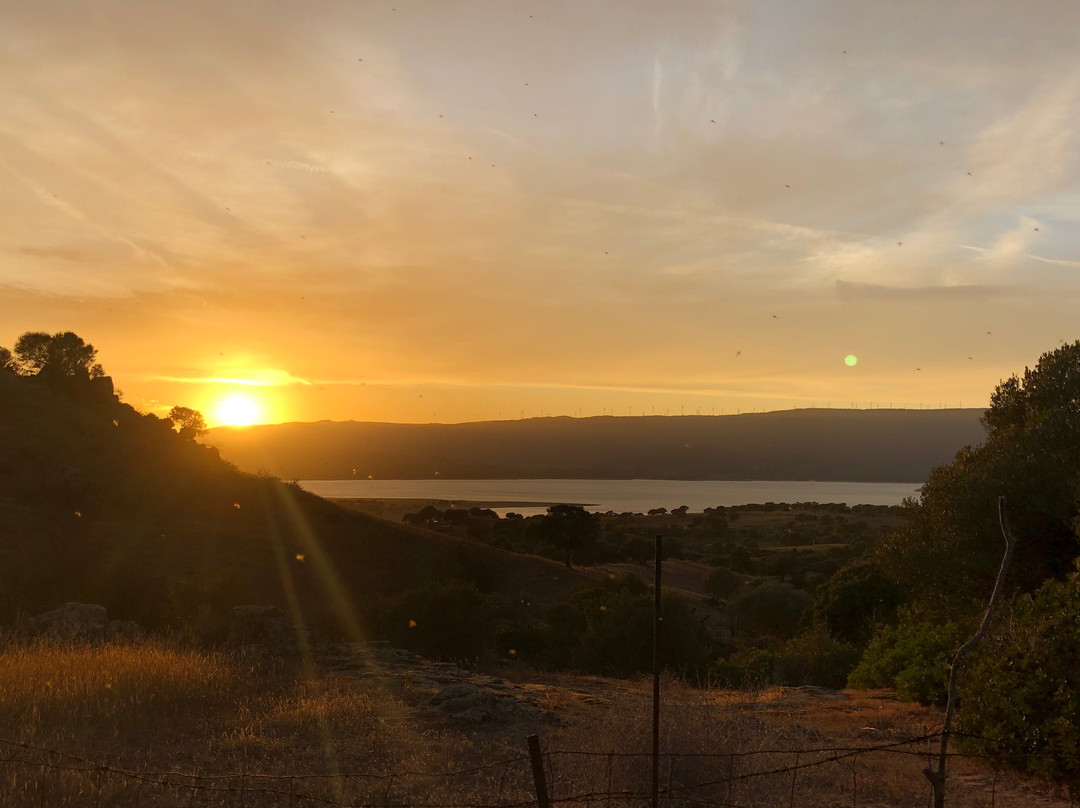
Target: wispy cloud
256,378
848,291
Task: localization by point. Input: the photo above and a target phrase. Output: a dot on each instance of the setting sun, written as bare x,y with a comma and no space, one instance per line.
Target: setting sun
238,411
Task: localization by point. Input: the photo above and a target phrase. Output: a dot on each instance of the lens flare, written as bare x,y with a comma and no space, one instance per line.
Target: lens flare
851,360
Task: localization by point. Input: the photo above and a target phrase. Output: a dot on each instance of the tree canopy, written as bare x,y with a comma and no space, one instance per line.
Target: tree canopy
947,552
56,356
569,527
190,422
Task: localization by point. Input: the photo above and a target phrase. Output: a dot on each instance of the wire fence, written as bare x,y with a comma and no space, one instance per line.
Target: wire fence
834,776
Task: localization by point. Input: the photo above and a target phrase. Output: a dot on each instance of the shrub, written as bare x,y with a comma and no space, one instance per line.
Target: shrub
722,583
914,658
772,608
1020,694
747,668
448,619
816,658
855,601
608,629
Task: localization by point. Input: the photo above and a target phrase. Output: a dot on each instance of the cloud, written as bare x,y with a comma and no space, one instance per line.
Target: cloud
254,378
848,291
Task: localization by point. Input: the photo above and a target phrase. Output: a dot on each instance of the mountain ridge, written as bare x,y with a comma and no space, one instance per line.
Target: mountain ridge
819,444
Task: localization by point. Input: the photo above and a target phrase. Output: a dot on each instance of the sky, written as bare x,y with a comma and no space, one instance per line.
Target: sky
430,211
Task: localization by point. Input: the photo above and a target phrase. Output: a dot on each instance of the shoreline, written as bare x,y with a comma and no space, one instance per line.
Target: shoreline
388,507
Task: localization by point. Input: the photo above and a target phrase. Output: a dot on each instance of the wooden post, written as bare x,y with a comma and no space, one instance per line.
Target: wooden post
657,617
539,780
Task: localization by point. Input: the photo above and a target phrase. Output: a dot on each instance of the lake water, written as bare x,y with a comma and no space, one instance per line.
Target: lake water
637,496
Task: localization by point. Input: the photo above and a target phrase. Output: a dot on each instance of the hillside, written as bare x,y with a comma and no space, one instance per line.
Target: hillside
99,503
818,444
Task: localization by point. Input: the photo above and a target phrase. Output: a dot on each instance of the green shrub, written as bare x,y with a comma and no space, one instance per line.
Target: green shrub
855,601
816,658
448,619
747,668
772,608
722,583
607,628
914,658
1019,692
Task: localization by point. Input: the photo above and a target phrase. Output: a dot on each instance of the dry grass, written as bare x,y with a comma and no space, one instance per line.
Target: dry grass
156,708
273,730
79,696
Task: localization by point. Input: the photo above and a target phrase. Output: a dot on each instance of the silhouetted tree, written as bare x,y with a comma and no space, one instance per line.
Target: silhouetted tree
56,356
7,361
569,527
190,422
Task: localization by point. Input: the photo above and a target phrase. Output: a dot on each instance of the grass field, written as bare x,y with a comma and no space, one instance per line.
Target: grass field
292,729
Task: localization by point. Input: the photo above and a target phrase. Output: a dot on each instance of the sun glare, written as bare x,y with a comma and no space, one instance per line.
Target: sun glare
238,411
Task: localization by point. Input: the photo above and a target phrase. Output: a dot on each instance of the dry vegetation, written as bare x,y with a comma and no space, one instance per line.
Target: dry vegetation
292,729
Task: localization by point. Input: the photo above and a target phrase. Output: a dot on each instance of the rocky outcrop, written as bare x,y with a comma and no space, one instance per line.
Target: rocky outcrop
441,688
78,622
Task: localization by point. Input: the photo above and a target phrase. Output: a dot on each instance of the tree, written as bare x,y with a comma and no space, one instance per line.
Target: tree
946,553
568,527
856,601
56,356
7,361
190,422
772,608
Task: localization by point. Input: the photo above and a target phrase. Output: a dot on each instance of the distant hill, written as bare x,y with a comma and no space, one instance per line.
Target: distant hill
101,504
816,444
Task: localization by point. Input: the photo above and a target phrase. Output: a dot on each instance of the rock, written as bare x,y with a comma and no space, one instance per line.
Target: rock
264,627
78,622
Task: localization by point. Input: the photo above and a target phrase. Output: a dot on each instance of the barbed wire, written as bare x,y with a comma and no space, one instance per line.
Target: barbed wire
289,785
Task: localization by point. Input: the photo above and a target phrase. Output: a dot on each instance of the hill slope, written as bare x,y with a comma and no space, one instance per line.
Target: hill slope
852,445
101,504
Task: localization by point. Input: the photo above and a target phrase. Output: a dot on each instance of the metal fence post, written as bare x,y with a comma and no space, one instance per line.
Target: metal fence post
657,605
538,771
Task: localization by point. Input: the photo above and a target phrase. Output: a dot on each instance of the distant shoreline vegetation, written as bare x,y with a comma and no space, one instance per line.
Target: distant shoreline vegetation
619,496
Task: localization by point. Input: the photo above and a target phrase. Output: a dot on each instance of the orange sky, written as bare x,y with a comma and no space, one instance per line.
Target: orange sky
416,211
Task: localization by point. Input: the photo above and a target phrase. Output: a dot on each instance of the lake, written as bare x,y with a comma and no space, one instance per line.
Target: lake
637,496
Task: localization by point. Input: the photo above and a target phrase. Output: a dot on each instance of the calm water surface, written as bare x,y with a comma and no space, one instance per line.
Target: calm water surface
615,495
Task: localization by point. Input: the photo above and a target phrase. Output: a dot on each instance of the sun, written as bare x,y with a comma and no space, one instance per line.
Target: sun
238,411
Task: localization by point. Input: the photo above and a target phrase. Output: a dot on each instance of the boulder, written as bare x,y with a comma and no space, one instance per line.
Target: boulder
78,622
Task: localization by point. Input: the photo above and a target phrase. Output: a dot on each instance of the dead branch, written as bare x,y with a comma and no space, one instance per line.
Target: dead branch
937,778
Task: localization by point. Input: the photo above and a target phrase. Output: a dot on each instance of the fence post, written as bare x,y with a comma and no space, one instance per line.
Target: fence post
538,771
657,605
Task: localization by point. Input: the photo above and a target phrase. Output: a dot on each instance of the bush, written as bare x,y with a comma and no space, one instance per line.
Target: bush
447,619
816,658
1020,694
747,668
914,658
772,608
608,629
855,601
722,583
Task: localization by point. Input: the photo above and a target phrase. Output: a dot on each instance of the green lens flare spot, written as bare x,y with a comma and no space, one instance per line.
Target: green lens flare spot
851,360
